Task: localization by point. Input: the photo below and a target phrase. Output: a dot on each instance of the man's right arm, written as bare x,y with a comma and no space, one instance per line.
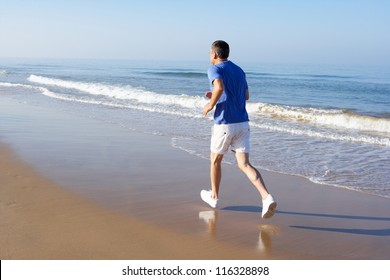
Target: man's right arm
217,92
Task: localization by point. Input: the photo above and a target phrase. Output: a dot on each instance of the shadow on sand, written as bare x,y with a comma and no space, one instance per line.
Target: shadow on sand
371,232
257,209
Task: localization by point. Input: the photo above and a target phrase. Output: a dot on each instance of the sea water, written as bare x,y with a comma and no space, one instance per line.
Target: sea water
330,124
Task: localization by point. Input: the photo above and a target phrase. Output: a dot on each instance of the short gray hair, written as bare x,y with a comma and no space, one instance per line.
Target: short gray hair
221,48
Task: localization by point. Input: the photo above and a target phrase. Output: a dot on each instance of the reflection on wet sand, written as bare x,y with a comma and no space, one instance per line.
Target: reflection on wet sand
265,240
266,231
210,217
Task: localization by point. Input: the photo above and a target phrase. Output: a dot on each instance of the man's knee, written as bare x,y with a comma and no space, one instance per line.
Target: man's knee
243,165
216,159
242,161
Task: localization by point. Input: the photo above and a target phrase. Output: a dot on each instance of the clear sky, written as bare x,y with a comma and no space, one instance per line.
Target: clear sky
273,31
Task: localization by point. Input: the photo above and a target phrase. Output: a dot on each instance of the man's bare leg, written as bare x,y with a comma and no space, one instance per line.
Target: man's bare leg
215,173
252,173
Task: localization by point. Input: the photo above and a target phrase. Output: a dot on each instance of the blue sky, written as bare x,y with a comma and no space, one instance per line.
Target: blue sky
277,31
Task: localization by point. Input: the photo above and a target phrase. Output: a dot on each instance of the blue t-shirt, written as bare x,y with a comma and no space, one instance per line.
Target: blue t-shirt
230,107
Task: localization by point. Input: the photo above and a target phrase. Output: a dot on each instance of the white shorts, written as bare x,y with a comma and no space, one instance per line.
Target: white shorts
235,135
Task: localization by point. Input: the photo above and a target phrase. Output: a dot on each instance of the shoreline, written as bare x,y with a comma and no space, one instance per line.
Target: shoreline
115,194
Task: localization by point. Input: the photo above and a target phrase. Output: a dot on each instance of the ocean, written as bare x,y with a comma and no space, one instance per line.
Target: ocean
330,124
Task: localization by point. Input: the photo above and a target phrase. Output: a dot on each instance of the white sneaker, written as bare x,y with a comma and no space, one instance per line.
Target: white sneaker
269,206
206,197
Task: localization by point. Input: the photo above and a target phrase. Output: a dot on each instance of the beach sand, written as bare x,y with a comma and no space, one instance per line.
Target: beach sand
40,220
152,210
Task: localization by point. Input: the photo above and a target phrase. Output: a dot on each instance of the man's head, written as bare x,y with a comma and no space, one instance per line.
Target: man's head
219,51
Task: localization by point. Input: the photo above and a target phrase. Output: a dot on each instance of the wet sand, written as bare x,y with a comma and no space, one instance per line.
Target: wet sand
133,196
40,220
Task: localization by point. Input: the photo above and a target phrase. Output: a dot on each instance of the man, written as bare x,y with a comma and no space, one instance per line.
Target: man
229,92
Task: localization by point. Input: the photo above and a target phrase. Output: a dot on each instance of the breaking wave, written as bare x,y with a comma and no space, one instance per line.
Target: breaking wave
313,122
324,117
124,92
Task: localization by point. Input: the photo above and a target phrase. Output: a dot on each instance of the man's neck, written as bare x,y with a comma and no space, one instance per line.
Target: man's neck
219,60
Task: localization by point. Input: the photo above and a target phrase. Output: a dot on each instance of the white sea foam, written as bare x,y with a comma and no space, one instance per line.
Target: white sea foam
190,106
315,116
383,141
112,104
323,117
125,92
3,72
